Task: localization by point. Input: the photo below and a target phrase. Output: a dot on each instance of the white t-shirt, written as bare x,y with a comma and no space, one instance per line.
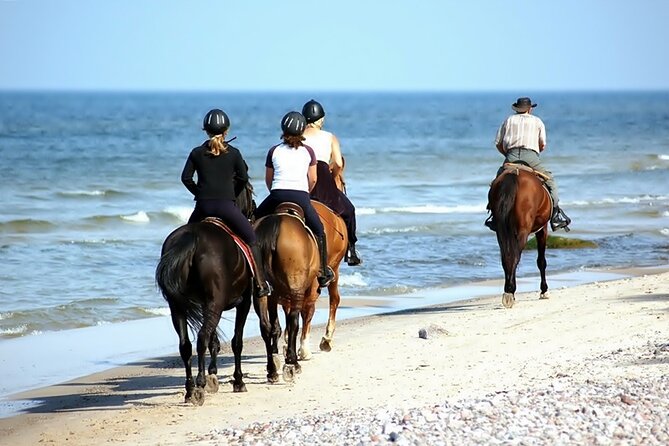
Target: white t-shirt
291,166
522,130
321,142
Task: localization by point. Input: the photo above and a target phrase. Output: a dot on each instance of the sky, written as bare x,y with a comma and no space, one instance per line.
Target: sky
340,45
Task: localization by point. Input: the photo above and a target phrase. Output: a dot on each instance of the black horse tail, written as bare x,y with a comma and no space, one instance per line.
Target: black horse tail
172,278
267,234
503,212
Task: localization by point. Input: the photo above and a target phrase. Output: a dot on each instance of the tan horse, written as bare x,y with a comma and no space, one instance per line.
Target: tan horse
335,232
290,258
520,206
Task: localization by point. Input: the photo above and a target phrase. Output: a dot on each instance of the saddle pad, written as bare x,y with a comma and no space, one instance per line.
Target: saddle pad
240,243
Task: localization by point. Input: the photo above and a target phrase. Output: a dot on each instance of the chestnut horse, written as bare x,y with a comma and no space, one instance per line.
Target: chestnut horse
520,206
291,263
337,238
202,272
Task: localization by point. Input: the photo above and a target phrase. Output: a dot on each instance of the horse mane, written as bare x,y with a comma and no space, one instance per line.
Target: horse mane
245,201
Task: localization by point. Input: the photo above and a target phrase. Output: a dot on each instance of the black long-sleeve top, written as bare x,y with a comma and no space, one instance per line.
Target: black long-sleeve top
218,177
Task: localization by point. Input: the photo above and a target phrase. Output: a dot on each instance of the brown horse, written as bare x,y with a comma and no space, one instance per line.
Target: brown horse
291,262
335,232
520,206
202,272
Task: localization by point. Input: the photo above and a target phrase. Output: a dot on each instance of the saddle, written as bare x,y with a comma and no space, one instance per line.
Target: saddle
515,167
292,210
246,249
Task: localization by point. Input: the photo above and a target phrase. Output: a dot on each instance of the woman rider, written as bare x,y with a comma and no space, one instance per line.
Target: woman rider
221,176
290,174
326,148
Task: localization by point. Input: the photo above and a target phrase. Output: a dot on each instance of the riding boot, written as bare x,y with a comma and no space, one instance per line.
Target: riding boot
262,287
352,258
559,220
326,274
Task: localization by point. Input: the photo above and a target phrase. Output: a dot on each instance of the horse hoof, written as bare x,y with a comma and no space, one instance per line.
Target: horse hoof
197,398
325,345
288,373
238,388
212,384
508,300
273,379
544,295
304,355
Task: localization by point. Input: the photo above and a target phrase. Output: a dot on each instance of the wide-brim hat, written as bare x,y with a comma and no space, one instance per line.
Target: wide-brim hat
523,104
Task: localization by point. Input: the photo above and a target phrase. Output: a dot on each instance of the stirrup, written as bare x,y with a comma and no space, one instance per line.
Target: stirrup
560,221
325,280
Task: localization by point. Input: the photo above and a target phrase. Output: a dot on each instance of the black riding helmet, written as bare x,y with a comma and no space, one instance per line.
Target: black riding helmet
216,122
293,123
313,111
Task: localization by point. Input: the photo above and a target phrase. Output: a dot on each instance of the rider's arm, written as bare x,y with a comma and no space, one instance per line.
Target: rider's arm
312,176
499,139
542,137
187,175
336,162
269,177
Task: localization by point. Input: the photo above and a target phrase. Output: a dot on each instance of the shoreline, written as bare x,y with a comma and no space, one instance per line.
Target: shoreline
602,332
141,339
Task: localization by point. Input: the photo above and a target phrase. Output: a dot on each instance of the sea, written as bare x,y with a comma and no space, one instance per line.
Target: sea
91,187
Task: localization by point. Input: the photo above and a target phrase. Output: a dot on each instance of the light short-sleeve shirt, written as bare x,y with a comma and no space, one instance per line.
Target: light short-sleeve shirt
522,130
321,142
291,166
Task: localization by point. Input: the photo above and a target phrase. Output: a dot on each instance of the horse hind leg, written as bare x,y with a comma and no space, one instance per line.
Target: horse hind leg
260,306
291,367
185,349
542,236
238,342
212,384
335,298
304,353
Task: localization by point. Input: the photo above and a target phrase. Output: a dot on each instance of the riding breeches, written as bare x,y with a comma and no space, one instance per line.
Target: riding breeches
327,193
227,211
532,159
278,196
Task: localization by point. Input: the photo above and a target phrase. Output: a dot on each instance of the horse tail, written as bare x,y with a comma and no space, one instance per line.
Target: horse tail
504,213
172,275
267,234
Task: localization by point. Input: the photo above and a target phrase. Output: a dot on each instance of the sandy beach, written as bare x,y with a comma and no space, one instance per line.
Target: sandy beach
603,344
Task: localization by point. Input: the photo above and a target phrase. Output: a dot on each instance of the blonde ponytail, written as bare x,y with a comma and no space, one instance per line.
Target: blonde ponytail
217,145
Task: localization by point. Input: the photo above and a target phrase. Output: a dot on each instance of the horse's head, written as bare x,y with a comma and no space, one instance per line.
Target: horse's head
245,201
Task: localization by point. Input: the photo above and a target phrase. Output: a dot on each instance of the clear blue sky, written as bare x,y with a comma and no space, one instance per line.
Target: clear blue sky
325,45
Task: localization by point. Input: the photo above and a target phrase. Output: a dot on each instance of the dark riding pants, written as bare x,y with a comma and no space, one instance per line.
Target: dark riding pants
227,211
301,198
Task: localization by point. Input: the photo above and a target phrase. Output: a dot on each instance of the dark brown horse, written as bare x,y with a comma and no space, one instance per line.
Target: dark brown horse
520,206
291,264
202,272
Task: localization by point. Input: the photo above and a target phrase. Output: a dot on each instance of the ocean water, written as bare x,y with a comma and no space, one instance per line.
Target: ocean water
91,187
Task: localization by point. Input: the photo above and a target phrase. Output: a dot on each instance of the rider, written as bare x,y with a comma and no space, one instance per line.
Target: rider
290,174
522,137
326,148
221,176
